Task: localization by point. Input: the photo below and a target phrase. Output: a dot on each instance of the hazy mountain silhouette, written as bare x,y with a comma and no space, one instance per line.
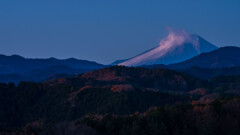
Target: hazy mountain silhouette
223,57
16,68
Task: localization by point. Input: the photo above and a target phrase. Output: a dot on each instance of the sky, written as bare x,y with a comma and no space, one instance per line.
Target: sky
109,30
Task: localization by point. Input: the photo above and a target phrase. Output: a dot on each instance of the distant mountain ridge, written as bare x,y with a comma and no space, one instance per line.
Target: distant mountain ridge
223,57
16,68
19,64
176,47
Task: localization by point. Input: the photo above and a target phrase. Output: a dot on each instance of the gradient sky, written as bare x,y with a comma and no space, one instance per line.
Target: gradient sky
107,30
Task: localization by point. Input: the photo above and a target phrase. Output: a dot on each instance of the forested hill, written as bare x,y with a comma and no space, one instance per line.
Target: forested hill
116,90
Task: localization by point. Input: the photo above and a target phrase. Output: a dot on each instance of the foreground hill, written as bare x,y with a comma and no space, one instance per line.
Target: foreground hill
160,79
207,73
90,102
117,90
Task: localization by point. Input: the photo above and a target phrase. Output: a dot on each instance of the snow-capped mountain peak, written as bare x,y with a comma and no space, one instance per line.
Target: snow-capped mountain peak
176,47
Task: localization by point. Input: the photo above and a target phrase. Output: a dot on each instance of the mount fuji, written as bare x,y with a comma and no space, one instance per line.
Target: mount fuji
176,47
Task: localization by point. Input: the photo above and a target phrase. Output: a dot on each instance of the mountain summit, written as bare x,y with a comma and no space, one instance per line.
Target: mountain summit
176,47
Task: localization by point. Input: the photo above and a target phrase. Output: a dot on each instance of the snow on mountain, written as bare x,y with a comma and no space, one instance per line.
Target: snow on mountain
176,47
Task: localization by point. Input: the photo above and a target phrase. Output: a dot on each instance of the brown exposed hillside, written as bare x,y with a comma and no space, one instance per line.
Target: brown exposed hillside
162,79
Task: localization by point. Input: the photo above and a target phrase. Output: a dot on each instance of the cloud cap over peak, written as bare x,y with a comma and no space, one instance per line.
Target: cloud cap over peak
171,49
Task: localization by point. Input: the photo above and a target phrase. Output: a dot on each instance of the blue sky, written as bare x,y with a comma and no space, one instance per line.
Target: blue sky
107,30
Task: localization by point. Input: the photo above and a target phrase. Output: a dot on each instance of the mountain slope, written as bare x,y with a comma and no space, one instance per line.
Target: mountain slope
222,57
176,47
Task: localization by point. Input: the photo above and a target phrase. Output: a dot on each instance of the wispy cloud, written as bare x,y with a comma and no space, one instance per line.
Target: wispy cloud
174,39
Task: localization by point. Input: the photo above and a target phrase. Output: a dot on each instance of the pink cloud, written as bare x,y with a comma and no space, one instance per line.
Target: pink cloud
174,39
